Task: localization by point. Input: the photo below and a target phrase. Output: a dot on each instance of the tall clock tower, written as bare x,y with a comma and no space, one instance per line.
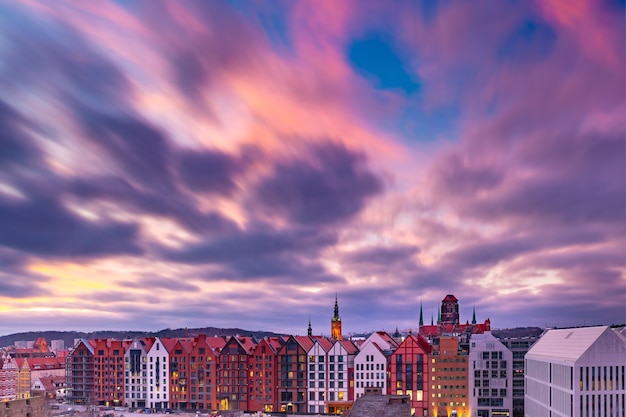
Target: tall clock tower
335,323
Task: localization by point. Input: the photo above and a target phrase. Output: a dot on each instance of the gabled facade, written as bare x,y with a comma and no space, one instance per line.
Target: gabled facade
575,373
49,386
409,372
370,368
318,384
136,372
371,363
491,376
203,369
79,373
8,378
179,372
292,374
158,371
263,375
233,372
23,379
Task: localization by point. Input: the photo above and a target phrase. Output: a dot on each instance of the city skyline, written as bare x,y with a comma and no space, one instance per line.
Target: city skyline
239,164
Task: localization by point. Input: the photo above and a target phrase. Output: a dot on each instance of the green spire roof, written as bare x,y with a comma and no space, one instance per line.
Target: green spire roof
336,316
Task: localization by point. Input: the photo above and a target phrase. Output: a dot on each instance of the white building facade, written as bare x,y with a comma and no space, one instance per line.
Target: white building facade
370,364
136,374
491,377
317,363
158,371
576,373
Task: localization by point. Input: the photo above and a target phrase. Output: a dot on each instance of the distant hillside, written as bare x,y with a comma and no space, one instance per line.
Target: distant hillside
69,337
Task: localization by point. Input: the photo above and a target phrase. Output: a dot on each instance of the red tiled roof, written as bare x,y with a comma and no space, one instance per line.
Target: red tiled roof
217,343
44,363
169,343
349,346
324,342
305,341
248,343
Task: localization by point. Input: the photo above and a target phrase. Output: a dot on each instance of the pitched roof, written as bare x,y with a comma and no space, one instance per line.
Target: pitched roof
305,341
248,343
324,342
217,343
44,363
50,383
567,345
169,343
387,338
349,346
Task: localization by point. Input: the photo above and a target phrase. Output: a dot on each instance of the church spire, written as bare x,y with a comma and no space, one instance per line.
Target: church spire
431,317
335,322
438,315
310,329
421,315
474,316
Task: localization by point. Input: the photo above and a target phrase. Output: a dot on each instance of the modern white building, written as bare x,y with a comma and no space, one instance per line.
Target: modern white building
576,373
491,377
158,371
370,364
340,363
136,373
318,374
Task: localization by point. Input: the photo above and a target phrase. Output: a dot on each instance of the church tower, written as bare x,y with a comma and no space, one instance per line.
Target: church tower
335,323
450,310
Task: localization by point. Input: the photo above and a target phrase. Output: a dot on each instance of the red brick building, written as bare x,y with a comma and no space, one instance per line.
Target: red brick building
409,372
292,374
263,375
234,373
79,373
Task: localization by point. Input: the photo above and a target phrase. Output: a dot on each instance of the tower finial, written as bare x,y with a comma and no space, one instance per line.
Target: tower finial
474,316
336,316
310,329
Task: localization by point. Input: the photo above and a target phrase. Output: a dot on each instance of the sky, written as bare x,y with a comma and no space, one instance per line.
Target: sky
169,164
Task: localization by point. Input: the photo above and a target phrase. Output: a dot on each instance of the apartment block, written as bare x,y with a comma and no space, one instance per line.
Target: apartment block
576,373
410,374
491,375
292,374
79,373
372,362
263,376
449,385
519,346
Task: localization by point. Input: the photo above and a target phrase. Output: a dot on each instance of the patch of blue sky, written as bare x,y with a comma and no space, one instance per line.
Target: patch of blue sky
375,57
273,18
533,40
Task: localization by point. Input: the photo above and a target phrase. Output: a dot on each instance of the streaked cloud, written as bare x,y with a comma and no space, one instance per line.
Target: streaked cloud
167,164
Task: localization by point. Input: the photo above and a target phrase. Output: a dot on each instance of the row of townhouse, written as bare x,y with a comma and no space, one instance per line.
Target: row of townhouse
293,374
18,375
299,374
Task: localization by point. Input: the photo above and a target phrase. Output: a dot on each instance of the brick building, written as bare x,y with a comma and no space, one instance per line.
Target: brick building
409,372
449,388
